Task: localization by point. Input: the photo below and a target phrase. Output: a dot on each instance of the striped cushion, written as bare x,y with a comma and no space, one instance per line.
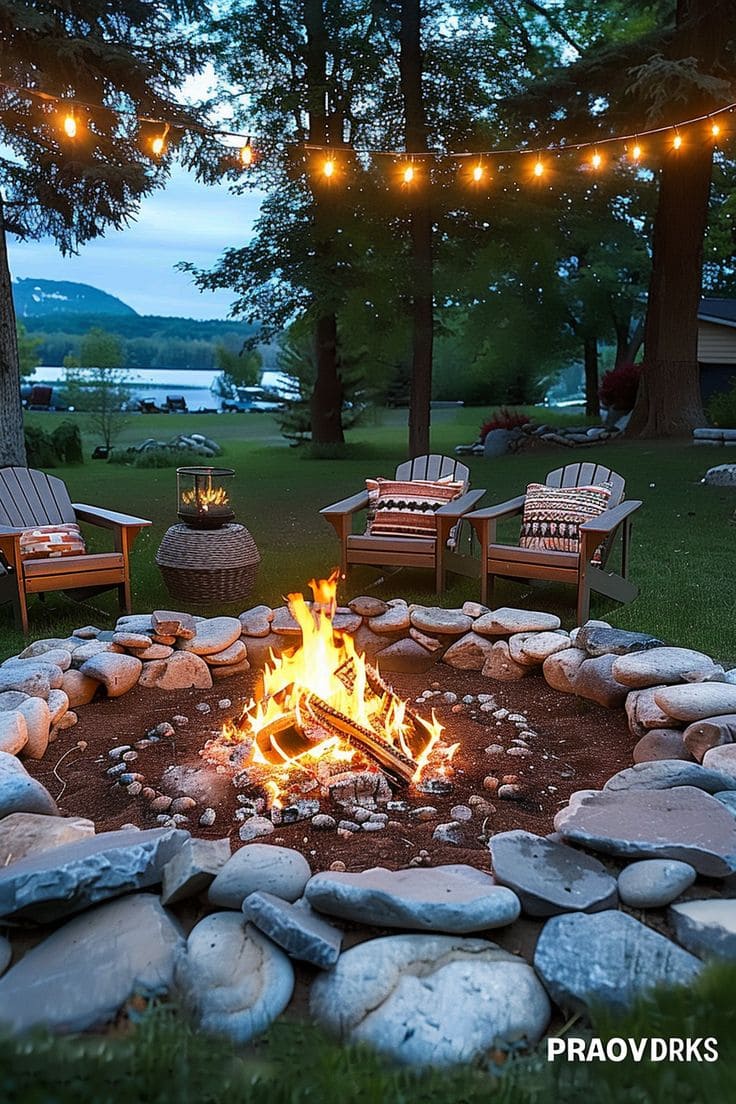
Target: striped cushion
52,541
553,516
407,507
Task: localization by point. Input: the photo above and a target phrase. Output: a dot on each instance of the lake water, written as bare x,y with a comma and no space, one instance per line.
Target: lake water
157,383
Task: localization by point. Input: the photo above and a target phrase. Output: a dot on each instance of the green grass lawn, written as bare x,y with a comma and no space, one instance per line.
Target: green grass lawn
682,554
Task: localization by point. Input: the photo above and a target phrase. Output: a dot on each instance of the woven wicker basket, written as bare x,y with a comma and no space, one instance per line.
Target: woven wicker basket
208,565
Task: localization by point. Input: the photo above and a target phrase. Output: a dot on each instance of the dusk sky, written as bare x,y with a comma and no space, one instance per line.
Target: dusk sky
184,222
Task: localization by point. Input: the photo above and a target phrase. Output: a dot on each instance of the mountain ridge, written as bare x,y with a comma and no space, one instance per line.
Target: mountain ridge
34,297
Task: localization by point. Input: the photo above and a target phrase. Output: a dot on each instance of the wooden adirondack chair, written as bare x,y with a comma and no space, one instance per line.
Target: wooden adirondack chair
30,498
510,561
410,551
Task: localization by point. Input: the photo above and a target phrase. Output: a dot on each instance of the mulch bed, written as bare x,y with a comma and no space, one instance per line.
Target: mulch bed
579,746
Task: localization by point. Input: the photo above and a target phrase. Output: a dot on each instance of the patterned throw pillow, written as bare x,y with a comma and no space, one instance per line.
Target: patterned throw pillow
51,541
553,516
406,508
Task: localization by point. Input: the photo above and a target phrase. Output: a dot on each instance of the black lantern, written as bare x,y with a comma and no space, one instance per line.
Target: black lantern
204,496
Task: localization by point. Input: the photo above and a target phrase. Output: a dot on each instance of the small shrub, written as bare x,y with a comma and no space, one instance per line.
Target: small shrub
67,441
721,407
619,387
504,418
40,449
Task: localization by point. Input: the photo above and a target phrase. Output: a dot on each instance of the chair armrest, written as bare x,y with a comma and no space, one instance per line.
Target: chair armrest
350,505
10,531
502,509
10,545
460,506
108,519
610,519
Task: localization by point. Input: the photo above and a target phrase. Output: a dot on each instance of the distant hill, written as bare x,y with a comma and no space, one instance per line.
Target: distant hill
43,297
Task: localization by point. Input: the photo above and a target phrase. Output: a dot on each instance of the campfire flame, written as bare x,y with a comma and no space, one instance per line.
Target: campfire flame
324,700
204,497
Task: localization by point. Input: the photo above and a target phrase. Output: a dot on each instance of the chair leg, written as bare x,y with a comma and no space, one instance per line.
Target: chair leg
124,597
440,577
20,610
583,608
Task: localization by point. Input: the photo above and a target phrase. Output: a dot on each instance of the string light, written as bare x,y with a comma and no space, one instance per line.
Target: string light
408,174
329,168
539,168
478,173
246,153
677,141
596,160
636,152
715,130
158,144
70,125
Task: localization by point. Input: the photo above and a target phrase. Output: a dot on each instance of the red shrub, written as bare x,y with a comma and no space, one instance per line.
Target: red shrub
503,418
619,387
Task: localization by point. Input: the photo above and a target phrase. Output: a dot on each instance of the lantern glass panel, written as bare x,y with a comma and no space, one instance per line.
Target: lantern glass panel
204,496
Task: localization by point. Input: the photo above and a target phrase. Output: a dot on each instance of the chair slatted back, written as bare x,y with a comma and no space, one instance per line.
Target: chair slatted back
29,497
587,475
433,467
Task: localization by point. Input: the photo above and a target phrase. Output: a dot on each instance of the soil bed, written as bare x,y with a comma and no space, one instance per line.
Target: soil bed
577,745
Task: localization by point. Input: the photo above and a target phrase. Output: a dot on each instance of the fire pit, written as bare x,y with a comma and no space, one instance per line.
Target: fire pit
204,497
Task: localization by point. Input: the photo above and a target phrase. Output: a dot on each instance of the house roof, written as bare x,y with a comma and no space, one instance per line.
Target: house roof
720,311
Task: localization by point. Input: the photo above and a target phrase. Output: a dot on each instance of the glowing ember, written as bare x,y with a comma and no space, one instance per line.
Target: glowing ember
322,708
204,497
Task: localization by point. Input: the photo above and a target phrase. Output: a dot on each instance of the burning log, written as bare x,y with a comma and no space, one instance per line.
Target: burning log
388,757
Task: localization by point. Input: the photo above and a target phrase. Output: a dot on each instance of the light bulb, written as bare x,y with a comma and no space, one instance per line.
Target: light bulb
715,130
157,145
677,141
70,126
636,152
408,174
329,167
478,173
246,154
596,160
538,168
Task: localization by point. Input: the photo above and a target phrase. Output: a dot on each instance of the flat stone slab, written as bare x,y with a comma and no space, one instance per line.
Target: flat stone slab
684,823
722,760
405,656
264,867
19,793
231,978
193,869
665,774
366,605
213,635
707,928
395,619
452,898
434,619
661,743
234,653
506,621
695,701
712,732
180,671
609,958
172,623
560,670
654,883
550,877
256,621
469,653
598,640
431,1000
294,928
594,680
284,624
662,666
534,648
24,834
118,673
83,973
50,884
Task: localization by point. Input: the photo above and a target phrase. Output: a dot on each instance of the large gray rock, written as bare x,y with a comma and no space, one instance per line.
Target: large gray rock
696,701
19,793
722,760
256,621
38,722
506,622
594,680
454,898
435,619
295,928
662,666
82,974
532,648
643,713
46,885
499,664
653,883
213,635
232,979
665,774
11,699
608,958
469,653
79,688
180,671
684,823
94,648
29,677
395,619
13,730
406,656
117,673
173,623
260,866
549,877
707,928
701,736
661,743
193,869
598,640
366,605
431,1000
24,834
560,670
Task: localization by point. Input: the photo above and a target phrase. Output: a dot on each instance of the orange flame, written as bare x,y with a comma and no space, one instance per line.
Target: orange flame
204,497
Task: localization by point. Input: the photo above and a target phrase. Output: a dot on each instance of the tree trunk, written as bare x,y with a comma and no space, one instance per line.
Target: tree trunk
635,343
326,400
422,302
592,402
12,445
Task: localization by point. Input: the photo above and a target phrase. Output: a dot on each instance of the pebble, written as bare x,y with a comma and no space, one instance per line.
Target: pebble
208,817
130,756
338,866
134,788
468,698
324,822
490,783
495,749
451,832
116,752
510,791
203,707
653,883
461,812
348,826
449,697
183,804
161,804
424,812
180,720
224,703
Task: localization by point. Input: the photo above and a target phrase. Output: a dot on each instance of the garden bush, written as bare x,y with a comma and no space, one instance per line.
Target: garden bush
619,387
503,418
721,407
49,450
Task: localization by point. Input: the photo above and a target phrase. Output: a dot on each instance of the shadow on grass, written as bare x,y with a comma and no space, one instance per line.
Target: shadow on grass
159,1059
